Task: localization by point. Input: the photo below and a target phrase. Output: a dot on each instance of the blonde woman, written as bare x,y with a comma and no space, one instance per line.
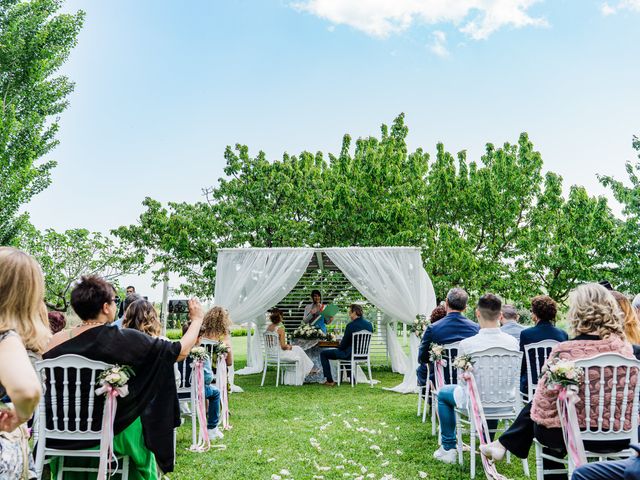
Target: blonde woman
631,322
217,326
23,327
597,322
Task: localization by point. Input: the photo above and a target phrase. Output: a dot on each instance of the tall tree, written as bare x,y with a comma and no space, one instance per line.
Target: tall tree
628,277
66,256
35,40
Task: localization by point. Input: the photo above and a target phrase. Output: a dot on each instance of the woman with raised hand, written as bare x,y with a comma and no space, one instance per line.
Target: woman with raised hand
597,323
23,327
146,418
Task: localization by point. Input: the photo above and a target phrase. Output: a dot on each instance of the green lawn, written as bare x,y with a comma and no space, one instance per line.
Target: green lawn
315,432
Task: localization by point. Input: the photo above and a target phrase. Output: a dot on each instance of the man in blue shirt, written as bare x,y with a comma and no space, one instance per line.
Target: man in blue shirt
628,469
343,352
452,328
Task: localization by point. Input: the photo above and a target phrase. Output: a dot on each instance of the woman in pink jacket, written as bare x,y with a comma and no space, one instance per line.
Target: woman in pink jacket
597,322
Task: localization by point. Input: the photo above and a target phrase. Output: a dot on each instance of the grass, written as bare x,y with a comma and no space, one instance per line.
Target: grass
318,432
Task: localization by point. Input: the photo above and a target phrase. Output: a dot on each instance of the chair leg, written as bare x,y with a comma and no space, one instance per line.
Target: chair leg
194,424
278,374
434,410
353,374
339,372
39,460
264,373
125,468
525,467
60,475
370,376
425,406
458,438
420,393
539,464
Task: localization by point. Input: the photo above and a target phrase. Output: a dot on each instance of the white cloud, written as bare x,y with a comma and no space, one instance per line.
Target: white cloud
380,18
438,44
632,5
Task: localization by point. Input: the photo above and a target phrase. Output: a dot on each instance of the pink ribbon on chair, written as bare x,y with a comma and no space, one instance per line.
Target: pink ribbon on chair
203,435
221,369
566,404
480,423
439,373
106,442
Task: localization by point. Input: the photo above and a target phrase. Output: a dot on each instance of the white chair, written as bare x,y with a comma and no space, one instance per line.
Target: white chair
449,353
423,397
594,394
359,355
538,353
76,422
187,396
272,351
497,374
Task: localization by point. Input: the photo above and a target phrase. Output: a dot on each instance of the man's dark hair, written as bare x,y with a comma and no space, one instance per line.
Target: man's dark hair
131,287
89,295
606,284
457,299
132,297
357,309
544,307
316,292
490,306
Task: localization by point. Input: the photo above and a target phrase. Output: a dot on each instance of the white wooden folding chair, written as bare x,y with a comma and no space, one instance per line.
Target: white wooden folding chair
272,351
535,355
497,374
64,416
187,396
359,355
423,397
600,399
449,353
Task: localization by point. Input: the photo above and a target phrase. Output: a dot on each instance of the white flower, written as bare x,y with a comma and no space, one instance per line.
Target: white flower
399,452
276,477
285,472
422,474
374,447
271,460
385,463
259,451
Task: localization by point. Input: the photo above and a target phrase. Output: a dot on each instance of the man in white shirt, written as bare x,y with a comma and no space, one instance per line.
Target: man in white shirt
489,314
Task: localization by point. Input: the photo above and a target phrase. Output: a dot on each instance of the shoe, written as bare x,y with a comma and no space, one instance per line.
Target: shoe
215,433
446,456
493,451
329,384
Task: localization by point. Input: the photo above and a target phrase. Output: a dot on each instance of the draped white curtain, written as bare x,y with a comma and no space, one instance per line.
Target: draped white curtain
393,280
250,281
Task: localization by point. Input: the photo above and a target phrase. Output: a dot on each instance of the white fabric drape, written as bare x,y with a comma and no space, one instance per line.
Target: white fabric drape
250,281
393,280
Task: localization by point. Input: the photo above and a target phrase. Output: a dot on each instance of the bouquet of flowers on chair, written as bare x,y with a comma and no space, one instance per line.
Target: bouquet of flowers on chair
419,326
436,357
564,376
219,349
113,383
308,332
199,355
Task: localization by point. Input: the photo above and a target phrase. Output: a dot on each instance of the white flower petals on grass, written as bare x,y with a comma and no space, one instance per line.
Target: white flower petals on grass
347,424
422,474
374,447
371,475
385,463
269,460
339,467
315,443
318,477
399,452
276,477
259,451
285,472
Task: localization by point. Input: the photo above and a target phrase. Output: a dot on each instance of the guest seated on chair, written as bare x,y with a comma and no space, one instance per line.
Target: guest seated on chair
543,313
450,329
217,327
510,323
343,352
438,313
597,321
628,469
488,313
146,418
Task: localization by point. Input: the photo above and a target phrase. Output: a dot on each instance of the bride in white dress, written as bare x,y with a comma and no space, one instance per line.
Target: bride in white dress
290,352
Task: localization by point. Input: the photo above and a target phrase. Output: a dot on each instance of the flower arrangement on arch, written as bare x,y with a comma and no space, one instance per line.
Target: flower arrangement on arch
308,332
419,326
561,372
464,363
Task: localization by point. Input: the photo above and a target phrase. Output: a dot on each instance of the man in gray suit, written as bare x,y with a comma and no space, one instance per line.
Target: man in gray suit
510,323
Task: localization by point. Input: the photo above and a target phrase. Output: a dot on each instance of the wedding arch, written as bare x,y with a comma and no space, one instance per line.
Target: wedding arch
250,281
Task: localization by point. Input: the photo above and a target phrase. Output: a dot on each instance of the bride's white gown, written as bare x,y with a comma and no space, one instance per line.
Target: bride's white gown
295,376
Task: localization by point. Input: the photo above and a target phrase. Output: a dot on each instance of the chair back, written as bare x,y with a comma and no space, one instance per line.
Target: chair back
209,346
535,355
271,346
610,395
69,408
497,374
184,389
360,345
449,353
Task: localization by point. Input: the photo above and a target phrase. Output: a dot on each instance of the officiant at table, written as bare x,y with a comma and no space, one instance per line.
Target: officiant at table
313,313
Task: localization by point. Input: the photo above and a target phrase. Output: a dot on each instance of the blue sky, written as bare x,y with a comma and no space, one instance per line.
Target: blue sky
162,87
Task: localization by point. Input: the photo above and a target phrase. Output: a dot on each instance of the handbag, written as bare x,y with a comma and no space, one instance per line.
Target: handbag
16,440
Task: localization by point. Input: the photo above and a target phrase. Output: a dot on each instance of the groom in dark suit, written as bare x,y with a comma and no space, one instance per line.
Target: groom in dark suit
343,352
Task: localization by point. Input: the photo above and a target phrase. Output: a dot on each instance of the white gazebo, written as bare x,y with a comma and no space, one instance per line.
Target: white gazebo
250,281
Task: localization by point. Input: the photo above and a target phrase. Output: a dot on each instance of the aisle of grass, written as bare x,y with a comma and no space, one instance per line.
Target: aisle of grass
314,432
